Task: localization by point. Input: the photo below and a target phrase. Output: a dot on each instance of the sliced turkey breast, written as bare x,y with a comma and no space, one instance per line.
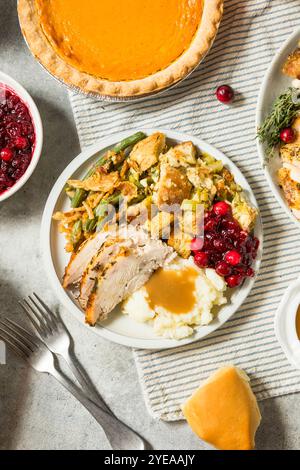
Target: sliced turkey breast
125,274
80,260
109,250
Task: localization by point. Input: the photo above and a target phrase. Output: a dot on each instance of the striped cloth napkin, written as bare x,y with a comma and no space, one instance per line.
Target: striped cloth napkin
250,33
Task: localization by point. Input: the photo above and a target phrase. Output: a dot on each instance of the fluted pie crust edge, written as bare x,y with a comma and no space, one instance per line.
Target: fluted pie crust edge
176,71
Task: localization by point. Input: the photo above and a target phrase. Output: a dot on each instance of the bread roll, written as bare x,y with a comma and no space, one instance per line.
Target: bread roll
224,411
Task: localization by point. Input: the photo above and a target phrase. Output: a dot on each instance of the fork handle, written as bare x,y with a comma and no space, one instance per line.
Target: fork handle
87,388
119,435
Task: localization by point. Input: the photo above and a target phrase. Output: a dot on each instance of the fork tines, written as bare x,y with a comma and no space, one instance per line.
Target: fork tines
39,314
17,338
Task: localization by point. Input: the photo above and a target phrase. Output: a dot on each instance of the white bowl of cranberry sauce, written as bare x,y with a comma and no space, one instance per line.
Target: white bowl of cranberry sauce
21,136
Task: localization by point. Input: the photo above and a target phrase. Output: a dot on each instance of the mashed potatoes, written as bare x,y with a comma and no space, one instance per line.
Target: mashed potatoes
209,289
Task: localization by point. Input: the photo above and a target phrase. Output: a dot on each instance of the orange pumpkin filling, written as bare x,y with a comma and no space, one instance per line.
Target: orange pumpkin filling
123,40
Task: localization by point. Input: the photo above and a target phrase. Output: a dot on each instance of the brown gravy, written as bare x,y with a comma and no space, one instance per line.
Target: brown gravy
298,322
173,290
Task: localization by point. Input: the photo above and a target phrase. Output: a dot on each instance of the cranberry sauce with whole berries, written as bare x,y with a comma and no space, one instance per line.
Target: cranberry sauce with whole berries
226,247
17,138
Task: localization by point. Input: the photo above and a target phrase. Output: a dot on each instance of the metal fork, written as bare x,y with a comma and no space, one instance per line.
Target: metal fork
56,337
30,348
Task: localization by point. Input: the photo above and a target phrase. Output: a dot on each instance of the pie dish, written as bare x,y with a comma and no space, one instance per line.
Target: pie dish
93,49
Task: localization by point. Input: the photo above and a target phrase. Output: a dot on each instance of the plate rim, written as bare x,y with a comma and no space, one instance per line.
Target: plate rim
283,320
46,251
259,119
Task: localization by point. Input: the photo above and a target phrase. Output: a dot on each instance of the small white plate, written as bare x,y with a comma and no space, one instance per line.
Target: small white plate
275,83
285,323
119,328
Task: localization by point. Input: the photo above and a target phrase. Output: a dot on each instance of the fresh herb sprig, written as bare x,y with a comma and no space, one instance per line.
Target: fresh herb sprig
285,110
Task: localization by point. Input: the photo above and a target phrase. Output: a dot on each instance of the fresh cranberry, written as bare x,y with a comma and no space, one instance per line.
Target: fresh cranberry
233,257
287,135
6,154
234,280
21,143
196,244
223,269
201,259
221,208
225,93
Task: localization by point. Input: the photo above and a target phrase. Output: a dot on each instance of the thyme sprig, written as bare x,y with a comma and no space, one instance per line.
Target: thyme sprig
285,110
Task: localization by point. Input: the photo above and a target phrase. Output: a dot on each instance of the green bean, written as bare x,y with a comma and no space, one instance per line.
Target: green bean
131,140
80,194
90,225
99,162
102,206
137,199
136,182
114,199
76,232
101,209
78,198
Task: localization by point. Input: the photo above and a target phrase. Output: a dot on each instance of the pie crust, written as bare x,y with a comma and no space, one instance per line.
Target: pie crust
176,71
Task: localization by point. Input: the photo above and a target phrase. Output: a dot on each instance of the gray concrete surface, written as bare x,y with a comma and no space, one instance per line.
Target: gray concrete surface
36,412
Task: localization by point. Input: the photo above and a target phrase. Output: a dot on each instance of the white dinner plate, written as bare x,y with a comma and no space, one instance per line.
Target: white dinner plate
275,83
120,328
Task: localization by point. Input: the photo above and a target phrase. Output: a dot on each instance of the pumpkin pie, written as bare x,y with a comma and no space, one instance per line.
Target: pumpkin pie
121,48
